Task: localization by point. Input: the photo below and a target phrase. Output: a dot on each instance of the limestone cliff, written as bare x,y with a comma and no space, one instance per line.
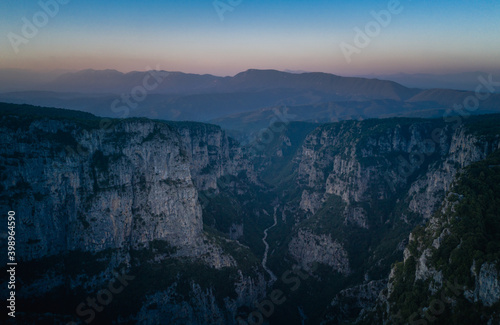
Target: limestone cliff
307,248
212,154
92,199
366,161
188,212
364,185
92,189
450,272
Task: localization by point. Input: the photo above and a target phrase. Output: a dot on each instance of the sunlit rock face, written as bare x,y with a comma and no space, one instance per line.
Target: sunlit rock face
91,190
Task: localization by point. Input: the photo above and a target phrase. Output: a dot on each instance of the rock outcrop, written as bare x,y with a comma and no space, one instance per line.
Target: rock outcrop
91,189
451,264
362,162
308,249
90,200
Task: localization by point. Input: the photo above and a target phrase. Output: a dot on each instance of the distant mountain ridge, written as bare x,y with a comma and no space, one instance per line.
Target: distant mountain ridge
112,81
461,80
185,96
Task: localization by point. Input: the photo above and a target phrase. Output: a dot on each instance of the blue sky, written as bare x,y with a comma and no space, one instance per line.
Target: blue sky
189,36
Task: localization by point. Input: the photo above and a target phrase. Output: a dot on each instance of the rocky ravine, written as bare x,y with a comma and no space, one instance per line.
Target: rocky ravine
90,201
361,186
123,198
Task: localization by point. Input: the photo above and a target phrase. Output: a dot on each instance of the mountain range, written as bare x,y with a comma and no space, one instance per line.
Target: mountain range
182,96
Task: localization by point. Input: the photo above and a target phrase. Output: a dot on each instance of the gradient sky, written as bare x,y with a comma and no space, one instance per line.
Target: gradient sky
427,36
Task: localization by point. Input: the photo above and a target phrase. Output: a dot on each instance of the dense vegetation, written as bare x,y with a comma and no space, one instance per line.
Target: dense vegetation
471,220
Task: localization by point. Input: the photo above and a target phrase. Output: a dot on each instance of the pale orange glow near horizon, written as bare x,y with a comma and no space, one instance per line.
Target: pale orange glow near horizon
229,66
423,38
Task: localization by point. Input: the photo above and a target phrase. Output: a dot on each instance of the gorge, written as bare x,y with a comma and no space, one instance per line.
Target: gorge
342,218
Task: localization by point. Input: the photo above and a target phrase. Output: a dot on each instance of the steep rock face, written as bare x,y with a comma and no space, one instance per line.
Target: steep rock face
366,184
121,188
308,248
362,162
359,162
212,154
464,148
203,306
486,286
348,302
310,202
453,261
91,200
